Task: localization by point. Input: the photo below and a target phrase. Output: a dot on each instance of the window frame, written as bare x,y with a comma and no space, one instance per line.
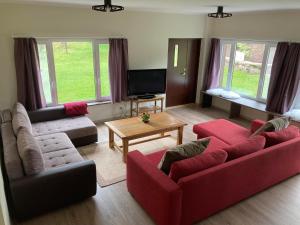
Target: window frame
262,75
48,42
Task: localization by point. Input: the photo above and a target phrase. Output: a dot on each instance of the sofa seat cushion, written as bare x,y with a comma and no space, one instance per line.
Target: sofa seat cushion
224,130
57,150
61,158
74,127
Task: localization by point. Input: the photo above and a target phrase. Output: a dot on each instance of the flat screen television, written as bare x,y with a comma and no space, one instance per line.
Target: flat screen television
146,83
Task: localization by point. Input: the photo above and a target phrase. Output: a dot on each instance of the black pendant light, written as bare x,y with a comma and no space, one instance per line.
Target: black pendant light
220,13
107,7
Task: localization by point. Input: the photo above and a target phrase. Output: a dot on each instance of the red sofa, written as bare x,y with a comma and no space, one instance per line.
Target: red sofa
199,195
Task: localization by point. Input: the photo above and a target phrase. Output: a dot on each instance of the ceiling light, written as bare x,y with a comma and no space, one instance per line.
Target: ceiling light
220,13
107,7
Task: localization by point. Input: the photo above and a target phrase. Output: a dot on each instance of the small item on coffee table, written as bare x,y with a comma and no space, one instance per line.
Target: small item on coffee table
181,152
145,117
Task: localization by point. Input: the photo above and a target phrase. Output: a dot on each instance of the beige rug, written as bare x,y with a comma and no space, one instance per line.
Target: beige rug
109,163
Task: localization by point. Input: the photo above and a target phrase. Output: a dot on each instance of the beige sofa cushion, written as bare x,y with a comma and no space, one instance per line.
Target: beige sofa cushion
74,127
12,159
29,152
20,118
6,116
57,150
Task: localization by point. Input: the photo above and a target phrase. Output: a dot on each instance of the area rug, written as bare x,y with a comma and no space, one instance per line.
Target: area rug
110,167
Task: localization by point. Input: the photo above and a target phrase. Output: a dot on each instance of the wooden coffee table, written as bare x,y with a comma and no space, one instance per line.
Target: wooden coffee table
133,128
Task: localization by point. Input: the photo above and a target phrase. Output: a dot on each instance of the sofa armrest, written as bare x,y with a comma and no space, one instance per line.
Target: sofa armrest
47,114
256,124
53,188
156,192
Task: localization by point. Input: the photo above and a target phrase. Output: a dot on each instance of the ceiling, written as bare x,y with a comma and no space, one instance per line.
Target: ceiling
177,6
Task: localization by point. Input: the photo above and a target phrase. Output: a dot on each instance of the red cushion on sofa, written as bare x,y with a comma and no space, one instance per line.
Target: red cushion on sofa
155,157
197,163
249,146
215,143
256,124
76,108
225,130
276,137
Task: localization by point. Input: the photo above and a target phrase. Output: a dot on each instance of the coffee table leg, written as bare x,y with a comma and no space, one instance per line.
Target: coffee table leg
125,150
179,135
111,138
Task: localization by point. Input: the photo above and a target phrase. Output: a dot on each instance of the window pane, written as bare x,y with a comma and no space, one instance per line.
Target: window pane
104,71
45,72
248,63
74,71
226,49
268,72
176,56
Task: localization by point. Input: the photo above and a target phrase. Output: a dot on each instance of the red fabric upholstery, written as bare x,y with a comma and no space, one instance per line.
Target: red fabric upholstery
198,163
155,157
157,193
225,130
247,147
201,194
276,137
214,189
76,108
214,144
256,124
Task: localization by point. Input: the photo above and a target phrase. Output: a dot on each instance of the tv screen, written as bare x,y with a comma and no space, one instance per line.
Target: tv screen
144,82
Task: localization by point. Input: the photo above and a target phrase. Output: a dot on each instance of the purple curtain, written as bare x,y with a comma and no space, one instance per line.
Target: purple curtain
212,73
285,76
118,66
29,84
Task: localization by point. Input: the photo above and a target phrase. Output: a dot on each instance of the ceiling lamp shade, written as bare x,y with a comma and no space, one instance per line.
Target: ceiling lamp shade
220,13
107,7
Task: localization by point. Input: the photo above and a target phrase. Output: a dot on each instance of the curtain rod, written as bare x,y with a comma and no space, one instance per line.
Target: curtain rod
63,37
259,39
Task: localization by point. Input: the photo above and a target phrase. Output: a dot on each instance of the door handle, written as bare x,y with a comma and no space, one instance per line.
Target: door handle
184,72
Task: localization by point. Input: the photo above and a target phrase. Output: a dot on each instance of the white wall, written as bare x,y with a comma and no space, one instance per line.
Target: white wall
147,35
277,26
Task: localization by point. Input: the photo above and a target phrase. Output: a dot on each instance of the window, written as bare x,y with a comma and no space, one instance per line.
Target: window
246,67
74,70
176,56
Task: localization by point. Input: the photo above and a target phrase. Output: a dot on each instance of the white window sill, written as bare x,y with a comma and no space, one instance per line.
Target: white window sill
99,103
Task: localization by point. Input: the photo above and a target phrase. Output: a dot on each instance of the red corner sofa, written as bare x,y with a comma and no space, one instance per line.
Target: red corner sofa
201,194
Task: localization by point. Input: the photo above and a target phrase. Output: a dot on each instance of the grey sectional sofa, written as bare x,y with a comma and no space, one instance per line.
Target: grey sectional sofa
43,169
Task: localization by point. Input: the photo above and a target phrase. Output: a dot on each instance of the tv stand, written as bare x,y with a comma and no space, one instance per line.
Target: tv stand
138,110
146,97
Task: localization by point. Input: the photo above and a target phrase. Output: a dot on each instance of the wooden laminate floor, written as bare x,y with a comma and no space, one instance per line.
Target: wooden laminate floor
113,205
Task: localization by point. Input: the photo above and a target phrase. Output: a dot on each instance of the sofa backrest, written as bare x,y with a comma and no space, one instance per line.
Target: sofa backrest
20,118
30,152
12,161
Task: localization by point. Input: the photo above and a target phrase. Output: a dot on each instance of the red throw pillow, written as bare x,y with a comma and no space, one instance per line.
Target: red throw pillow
249,146
197,163
276,137
76,108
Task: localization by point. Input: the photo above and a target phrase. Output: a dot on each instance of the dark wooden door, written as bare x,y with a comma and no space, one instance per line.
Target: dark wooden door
182,73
